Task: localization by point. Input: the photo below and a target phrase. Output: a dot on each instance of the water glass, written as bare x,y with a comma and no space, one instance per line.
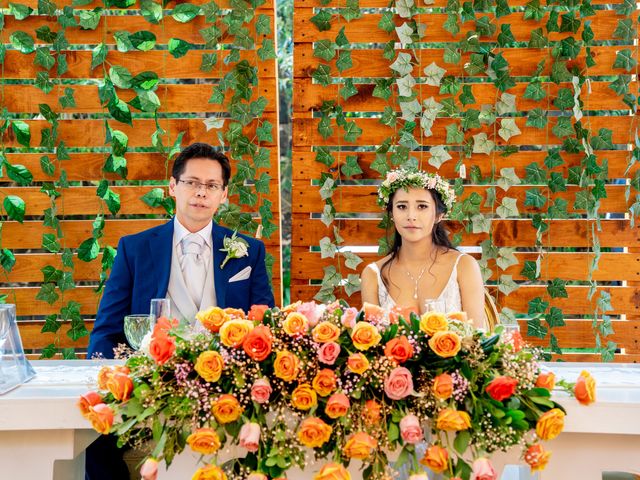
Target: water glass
136,327
434,305
160,307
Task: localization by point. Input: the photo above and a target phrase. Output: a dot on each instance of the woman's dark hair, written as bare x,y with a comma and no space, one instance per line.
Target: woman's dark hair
439,235
201,150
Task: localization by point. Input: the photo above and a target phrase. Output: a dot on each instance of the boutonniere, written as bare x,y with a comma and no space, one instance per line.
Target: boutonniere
236,247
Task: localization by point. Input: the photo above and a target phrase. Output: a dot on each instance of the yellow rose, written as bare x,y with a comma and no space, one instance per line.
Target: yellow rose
364,336
432,322
360,445
445,344
295,324
304,397
436,458
213,318
233,332
585,388
226,409
550,424
204,441
333,471
209,365
537,457
358,363
325,382
313,432
209,472
453,420
325,332
286,366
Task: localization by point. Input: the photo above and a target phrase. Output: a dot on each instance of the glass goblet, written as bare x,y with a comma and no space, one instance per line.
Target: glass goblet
135,329
160,307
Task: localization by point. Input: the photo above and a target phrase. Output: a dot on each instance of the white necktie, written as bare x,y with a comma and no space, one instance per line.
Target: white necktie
193,266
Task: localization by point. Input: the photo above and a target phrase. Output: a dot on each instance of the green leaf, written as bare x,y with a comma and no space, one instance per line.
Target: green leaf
508,208
351,166
322,75
47,293
352,11
19,11
555,318
151,11
119,110
569,23
15,207
179,48
323,155
348,90
386,23
19,174
267,50
144,40
185,12
352,132
50,243
22,41
557,182
88,250
43,82
564,99
120,76
531,270
534,198
89,19
624,59
263,25
556,288
209,61
263,132
506,284
8,260
324,49
44,58
145,81
461,442
22,131
537,118
322,20
47,166
535,328
538,39
98,55
344,61
537,306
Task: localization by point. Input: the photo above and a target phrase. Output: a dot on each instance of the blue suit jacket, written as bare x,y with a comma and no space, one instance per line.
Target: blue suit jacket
141,272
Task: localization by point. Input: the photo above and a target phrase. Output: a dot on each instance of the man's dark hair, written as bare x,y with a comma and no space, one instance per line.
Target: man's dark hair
201,150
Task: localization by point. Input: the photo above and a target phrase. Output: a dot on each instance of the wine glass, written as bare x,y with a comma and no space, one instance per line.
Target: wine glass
434,305
135,329
160,307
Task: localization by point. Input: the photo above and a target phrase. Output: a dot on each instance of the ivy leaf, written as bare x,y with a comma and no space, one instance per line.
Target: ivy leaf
534,198
322,20
327,248
43,82
352,285
439,155
537,118
145,81
508,129
351,166
386,23
506,257
508,178
348,90
352,132
569,23
402,64
382,88
625,60
324,49
352,11
351,260
89,19
323,155
47,293
144,40
263,25
404,8
344,61
535,328
506,284
482,144
563,127
44,58
480,223
98,55
454,134
88,250
626,7
466,97
15,207
263,132
322,75
266,50
531,270
451,54
47,166
22,132
555,318
209,60
185,12
538,40
22,41
508,208
564,99
535,91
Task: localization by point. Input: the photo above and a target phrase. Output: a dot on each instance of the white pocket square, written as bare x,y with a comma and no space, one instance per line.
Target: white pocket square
241,275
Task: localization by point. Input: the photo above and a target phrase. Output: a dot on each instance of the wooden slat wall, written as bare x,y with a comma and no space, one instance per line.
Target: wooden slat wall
184,91
358,214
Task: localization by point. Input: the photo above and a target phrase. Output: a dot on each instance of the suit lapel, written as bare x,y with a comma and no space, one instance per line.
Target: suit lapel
161,251
220,275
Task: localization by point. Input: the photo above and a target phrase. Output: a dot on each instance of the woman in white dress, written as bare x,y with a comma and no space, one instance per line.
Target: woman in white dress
422,265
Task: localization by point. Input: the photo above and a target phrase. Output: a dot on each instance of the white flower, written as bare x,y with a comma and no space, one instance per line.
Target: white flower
146,343
236,247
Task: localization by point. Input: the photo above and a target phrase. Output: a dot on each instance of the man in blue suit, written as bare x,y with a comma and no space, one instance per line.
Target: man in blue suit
181,260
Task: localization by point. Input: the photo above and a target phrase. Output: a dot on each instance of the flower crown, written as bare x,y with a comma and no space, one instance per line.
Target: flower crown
402,178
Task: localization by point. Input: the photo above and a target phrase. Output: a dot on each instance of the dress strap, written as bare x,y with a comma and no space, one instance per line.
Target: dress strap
454,272
374,267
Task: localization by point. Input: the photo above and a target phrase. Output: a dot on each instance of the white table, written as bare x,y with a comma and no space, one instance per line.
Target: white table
43,435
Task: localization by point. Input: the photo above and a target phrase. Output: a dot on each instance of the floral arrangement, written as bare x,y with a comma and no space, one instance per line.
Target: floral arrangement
405,178
349,384
235,247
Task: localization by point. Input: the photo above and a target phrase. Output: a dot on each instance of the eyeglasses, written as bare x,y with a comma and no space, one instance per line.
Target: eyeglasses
194,186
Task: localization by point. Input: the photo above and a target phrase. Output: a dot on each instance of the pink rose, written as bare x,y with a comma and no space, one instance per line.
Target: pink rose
348,318
149,469
483,470
261,390
250,436
328,352
410,429
257,476
309,310
398,384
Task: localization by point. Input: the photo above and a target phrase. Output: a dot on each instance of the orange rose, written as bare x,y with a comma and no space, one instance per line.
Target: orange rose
333,471
296,324
304,397
257,312
291,308
162,347
213,318
442,386
436,458
399,349
372,313
106,372
453,420
120,385
226,409
432,322
372,412
360,445
396,312
88,400
209,365
258,343
358,363
209,472
537,457
313,432
445,344
585,389
235,313
337,405
550,424
325,382
204,440
101,418
163,324
546,380
365,335
233,332
460,316
325,332
286,366
502,388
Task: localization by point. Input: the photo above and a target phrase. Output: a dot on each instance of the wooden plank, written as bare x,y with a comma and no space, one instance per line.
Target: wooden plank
305,167
88,166
91,133
110,24
308,96
512,233
580,334
362,199
623,299
522,61
595,357
33,338
28,235
305,132
268,4
17,65
83,200
366,30
173,98
569,266
436,4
